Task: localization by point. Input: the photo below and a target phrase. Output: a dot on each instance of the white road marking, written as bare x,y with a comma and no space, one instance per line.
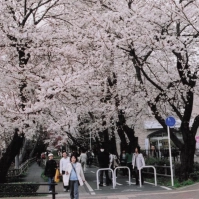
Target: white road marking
131,182
90,188
118,184
167,188
92,171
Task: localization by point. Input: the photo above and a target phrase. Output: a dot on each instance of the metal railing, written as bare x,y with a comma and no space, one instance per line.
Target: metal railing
97,176
165,173
155,176
22,168
114,175
11,193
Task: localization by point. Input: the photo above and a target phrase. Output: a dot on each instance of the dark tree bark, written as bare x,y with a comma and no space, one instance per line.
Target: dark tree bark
12,150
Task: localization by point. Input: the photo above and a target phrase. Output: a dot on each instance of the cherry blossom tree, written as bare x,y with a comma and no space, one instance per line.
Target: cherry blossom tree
160,38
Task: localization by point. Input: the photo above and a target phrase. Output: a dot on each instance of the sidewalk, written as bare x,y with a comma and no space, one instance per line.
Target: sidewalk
34,173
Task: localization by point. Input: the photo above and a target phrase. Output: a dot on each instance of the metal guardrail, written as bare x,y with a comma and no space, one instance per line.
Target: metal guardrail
165,174
155,176
23,167
53,193
97,175
114,175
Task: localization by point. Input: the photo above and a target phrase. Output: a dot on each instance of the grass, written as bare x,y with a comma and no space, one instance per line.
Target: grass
167,182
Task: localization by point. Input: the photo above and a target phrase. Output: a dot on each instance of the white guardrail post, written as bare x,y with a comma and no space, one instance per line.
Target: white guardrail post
155,176
114,178
97,175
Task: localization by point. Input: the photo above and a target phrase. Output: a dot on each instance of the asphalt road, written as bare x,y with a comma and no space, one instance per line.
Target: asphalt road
122,185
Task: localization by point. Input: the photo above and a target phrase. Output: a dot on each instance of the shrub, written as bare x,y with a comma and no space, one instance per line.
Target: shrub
14,189
194,176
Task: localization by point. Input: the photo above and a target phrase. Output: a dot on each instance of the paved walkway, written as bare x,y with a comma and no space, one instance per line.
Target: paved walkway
34,175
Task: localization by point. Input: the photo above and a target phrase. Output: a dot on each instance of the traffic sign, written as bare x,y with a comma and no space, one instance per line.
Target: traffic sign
170,121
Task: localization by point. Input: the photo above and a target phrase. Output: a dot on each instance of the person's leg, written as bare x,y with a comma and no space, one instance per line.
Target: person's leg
123,170
108,180
101,177
50,180
136,172
76,191
129,165
91,161
72,189
142,178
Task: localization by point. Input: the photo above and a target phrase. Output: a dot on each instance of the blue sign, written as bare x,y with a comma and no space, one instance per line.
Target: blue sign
170,121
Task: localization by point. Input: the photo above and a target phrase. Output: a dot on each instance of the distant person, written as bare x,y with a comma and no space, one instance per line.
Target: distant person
129,156
89,158
62,166
50,170
153,152
103,160
123,162
83,160
137,163
74,176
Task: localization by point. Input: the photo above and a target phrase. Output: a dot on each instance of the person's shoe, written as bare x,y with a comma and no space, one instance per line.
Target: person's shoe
101,185
64,190
50,191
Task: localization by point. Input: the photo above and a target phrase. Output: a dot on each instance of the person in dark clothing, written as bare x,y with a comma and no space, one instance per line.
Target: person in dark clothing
103,159
38,158
50,169
153,152
123,162
89,158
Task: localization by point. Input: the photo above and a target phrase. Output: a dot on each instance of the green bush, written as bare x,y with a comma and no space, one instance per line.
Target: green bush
14,189
157,162
45,178
194,176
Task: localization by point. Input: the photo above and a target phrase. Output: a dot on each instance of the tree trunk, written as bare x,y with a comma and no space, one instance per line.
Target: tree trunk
187,157
9,156
131,136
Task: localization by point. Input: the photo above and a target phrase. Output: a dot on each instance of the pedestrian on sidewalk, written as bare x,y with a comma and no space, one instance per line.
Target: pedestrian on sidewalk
123,162
129,156
74,177
89,158
137,163
50,170
62,166
83,160
103,160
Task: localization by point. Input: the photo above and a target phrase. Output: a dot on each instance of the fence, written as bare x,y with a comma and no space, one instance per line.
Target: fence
162,154
165,170
23,167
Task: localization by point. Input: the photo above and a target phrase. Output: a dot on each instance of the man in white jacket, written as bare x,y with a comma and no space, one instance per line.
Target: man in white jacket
62,166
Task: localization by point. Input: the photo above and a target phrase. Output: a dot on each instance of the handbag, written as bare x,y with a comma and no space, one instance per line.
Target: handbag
75,172
57,178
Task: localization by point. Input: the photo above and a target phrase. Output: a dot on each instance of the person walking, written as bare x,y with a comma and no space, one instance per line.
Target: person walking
83,159
74,176
50,170
129,162
103,160
137,163
89,158
62,166
123,162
